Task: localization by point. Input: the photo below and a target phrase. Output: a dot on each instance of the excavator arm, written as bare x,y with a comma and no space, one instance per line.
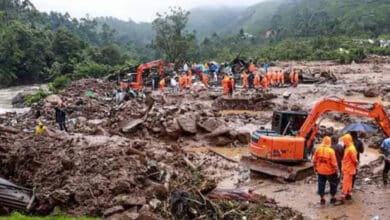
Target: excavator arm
142,67
363,109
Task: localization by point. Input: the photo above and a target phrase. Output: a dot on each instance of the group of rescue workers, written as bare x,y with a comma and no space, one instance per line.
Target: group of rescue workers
252,78
334,160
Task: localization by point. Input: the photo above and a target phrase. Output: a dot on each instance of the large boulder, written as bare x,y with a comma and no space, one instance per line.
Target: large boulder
371,92
172,128
53,99
209,124
188,123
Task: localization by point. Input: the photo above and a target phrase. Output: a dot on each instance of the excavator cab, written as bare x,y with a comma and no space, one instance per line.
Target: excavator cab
288,122
280,143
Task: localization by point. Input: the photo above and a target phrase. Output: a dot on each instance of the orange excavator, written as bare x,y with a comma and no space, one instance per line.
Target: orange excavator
291,138
135,80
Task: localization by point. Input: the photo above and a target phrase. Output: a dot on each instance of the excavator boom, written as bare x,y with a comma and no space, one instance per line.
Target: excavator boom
281,145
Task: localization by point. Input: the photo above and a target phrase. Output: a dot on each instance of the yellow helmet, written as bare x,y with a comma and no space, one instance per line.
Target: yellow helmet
40,124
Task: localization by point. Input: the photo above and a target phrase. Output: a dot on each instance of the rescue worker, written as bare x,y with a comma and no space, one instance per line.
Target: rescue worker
325,164
269,77
349,165
180,80
280,78
264,82
256,81
339,150
205,80
296,79
185,81
244,80
60,116
274,78
162,85
250,80
174,86
189,78
292,78
385,147
359,148
40,129
225,81
230,85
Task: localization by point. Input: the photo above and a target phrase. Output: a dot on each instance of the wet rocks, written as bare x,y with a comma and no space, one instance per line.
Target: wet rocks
187,122
209,124
371,92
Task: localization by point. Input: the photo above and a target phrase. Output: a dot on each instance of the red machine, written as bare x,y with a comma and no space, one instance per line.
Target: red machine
135,81
292,135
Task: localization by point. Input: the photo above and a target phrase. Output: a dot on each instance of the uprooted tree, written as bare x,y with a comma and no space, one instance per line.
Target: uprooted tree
171,40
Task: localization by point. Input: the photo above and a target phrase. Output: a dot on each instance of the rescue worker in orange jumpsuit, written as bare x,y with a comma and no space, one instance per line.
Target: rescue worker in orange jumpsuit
269,77
205,80
162,85
281,77
292,78
274,78
225,82
325,164
244,80
264,83
256,81
185,81
180,83
189,78
296,79
349,166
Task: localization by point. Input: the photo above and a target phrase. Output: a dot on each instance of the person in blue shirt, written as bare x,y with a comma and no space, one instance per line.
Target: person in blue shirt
385,147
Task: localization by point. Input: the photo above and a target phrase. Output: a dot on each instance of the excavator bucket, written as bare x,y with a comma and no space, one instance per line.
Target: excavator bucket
291,172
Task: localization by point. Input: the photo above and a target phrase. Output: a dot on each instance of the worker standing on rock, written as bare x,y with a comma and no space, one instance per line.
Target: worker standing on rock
256,81
189,78
205,80
292,78
385,147
349,165
230,86
274,78
250,80
174,86
325,164
60,116
281,78
162,85
244,80
269,77
264,83
225,82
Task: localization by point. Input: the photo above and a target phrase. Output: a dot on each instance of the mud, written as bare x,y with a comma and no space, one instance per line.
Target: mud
159,157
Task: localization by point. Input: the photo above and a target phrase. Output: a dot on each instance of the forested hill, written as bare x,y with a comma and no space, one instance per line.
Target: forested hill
300,18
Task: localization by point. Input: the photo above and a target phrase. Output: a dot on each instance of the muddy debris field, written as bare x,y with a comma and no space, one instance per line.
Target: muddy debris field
174,156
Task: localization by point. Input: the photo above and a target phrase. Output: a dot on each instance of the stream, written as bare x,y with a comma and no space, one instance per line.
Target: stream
7,94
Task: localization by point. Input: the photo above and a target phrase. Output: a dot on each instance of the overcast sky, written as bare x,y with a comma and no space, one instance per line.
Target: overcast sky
137,10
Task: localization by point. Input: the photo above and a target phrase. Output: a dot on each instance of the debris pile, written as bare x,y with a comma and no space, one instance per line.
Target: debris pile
125,161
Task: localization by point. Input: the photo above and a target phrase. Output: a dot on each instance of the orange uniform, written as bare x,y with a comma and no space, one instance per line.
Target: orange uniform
264,83
189,78
296,78
274,78
324,158
349,164
269,76
281,77
292,77
205,80
180,82
162,85
185,81
225,82
244,80
256,81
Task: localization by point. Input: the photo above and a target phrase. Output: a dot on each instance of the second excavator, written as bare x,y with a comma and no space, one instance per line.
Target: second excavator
292,136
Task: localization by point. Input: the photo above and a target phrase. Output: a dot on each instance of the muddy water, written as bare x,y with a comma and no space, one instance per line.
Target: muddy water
7,94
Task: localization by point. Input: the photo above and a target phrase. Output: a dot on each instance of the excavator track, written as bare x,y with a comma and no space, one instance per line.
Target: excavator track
287,172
